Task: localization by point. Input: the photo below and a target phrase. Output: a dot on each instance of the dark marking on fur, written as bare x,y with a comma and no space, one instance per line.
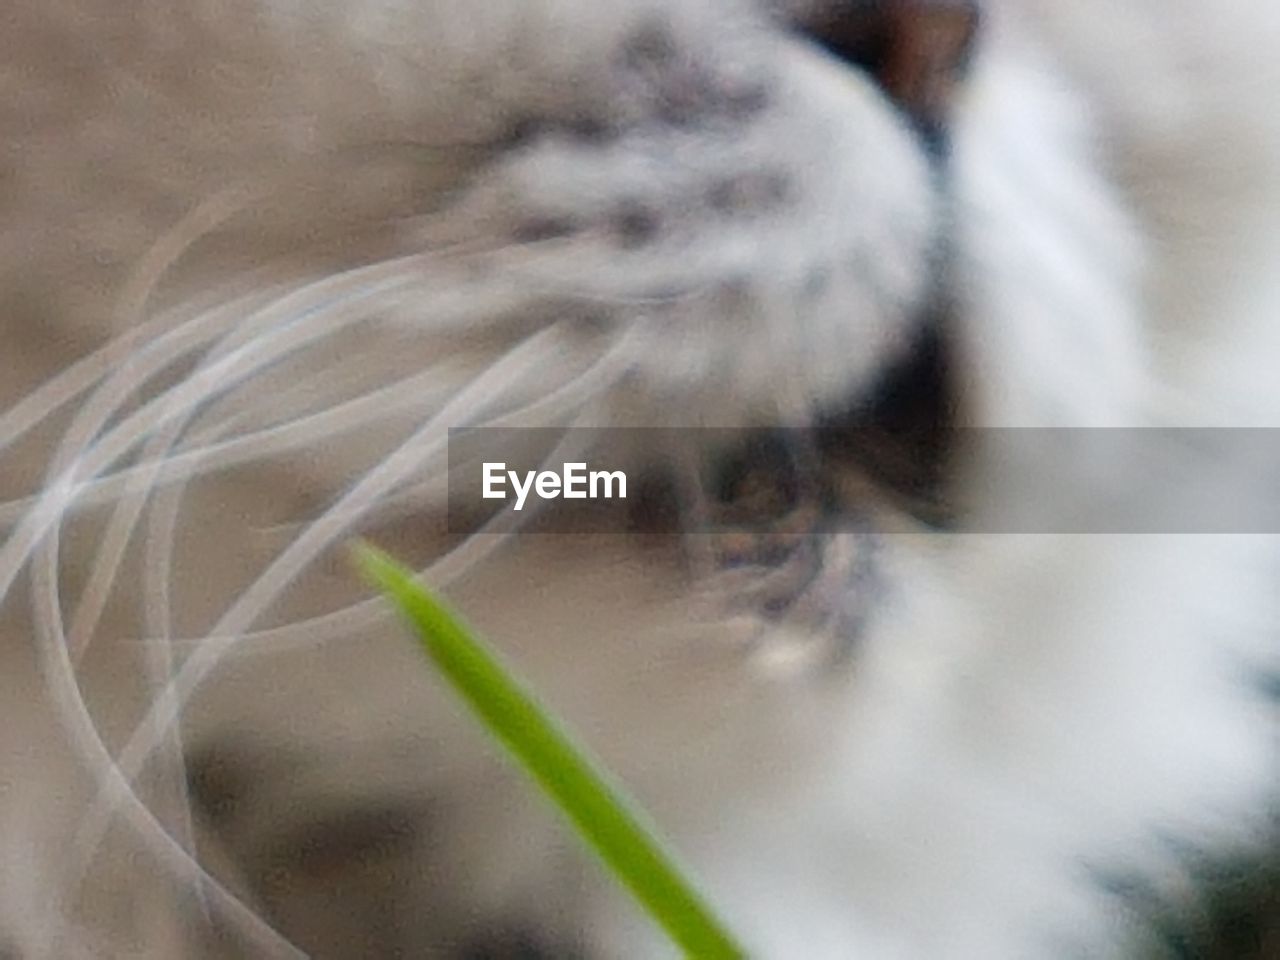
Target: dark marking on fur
590,128
635,224
220,779
649,45
521,132
336,843
1269,685
901,435
747,102
579,127
758,191
514,944
542,228
655,507
684,88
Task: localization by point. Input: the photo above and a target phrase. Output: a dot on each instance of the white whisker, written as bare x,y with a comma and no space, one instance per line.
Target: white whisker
359,617
79,377
234,362
403,396
114,790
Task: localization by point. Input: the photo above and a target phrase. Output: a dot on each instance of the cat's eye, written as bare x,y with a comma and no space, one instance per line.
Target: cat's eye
916,49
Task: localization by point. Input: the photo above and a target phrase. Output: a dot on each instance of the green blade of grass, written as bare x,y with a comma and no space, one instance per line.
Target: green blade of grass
611,825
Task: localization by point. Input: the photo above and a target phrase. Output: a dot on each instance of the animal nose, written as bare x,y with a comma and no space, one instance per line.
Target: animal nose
917,50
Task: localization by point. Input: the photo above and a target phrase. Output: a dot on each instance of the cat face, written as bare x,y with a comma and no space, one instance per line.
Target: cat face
764,256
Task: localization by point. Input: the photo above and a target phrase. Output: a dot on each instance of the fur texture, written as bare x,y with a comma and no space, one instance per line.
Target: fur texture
257,256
